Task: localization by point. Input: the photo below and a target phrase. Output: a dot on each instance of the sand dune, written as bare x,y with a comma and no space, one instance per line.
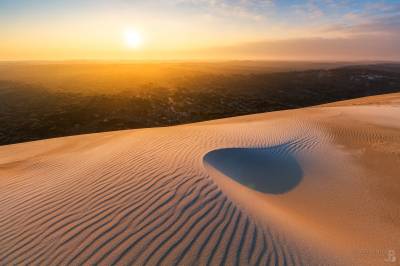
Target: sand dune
301,187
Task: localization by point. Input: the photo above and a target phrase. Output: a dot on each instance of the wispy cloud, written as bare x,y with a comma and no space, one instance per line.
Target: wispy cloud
249,9
337,49
374,19
332,30
309,10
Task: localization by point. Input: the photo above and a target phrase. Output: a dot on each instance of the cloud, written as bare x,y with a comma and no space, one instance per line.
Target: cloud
310,10
348,30
249,9
385,20
360,47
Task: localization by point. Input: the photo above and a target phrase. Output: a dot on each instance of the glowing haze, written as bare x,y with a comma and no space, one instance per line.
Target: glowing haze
200,29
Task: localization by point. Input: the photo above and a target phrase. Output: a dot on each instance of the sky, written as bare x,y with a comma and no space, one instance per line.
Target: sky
342,30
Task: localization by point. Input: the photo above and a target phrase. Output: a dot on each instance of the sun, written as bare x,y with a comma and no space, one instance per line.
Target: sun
133,38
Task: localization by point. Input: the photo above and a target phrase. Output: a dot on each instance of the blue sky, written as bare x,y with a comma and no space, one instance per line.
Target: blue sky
283,11
276,11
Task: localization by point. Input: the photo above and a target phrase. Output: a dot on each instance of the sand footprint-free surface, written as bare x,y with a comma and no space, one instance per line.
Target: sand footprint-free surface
310,186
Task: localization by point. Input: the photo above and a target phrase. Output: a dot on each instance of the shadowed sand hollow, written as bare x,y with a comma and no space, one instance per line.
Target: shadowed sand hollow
266,170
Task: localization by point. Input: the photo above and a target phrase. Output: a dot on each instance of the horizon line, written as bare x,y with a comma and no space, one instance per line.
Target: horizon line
78,60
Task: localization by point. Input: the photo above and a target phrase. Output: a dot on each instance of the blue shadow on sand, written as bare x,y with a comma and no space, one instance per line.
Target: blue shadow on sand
270,170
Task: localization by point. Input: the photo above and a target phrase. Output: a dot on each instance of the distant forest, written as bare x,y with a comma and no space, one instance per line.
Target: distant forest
39,103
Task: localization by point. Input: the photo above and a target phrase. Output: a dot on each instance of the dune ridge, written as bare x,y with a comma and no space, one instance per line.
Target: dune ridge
154,196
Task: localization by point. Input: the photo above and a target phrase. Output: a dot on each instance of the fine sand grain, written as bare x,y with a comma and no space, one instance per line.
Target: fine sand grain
313,186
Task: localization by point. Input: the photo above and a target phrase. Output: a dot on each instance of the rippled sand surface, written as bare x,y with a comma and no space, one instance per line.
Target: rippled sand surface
310,186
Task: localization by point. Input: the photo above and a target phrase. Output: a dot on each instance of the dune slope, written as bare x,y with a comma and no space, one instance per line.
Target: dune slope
309,186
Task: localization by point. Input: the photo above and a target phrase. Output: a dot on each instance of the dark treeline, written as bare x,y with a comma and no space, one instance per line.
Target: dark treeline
31,112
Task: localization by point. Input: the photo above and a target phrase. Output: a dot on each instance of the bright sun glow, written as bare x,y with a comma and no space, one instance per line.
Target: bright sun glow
133,38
